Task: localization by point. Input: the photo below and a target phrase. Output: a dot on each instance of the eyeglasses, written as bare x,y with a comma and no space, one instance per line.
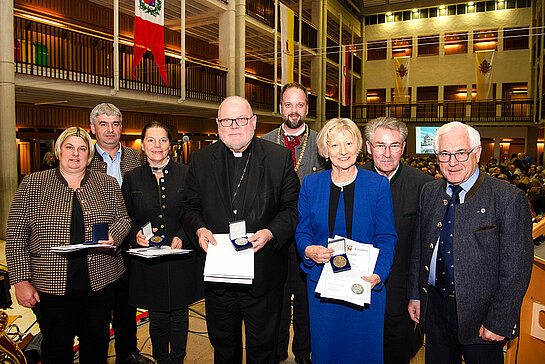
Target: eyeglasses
241,121
462,156
394,148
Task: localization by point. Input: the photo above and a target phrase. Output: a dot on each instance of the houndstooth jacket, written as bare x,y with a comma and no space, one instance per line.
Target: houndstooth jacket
40,218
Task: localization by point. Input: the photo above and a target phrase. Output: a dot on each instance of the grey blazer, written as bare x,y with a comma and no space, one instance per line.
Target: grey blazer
311,161
493,255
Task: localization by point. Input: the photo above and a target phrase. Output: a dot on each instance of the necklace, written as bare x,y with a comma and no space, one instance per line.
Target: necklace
302,150
239,182
160,168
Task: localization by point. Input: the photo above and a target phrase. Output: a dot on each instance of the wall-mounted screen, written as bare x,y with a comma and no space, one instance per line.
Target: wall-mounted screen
424,139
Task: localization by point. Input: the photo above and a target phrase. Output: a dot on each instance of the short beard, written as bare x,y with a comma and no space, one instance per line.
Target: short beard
294,125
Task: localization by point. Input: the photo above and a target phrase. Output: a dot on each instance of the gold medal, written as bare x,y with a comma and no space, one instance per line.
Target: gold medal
156,239
339,261
241,241
357,288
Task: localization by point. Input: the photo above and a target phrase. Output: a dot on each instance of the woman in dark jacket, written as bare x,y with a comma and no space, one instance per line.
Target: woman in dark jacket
164,285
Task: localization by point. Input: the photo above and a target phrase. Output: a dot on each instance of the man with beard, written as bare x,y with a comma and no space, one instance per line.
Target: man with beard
301,140
115,160
386,142
242,177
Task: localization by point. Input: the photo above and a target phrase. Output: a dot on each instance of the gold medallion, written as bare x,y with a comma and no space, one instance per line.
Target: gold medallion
339,261
156,239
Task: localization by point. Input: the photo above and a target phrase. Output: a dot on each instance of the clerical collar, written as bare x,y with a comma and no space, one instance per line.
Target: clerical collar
160,168
299,132
243,153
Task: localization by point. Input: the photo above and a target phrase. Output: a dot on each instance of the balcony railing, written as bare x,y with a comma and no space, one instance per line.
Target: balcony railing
439,112
49,51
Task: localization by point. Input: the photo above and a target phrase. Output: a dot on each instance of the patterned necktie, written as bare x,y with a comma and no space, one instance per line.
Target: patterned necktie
444,268
291,142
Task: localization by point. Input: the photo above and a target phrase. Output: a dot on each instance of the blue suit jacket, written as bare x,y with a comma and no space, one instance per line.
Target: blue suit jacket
373,219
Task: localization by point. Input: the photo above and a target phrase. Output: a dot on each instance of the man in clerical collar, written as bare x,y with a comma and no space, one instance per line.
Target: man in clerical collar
386,142
295,135
243,178
115,160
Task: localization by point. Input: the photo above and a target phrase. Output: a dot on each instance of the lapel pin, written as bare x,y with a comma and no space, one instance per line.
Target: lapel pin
483,210
445,202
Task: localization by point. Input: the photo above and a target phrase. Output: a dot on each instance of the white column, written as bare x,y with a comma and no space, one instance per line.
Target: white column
182,52
8,144
240,46
227,33
116,48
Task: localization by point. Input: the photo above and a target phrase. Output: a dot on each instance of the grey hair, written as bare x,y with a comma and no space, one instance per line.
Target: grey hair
105,109
388,123
473,134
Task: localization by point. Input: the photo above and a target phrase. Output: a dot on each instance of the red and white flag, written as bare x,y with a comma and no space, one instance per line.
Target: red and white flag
149,20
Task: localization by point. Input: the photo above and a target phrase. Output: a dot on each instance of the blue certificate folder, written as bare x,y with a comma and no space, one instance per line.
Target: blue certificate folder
100,232
339,260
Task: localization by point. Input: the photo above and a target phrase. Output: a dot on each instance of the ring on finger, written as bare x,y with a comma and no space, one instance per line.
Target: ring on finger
324,260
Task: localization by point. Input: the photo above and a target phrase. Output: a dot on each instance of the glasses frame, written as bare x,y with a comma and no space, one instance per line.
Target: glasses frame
456,154
388,147
238,121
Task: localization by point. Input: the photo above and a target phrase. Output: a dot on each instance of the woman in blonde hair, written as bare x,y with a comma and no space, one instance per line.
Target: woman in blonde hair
356,204
71,294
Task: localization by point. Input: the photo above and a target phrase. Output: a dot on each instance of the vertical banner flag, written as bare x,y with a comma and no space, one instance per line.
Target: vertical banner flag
149,20
286,25
401,76
345,91
484,60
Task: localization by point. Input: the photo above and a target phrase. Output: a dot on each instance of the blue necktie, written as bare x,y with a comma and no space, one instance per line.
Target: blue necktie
444,273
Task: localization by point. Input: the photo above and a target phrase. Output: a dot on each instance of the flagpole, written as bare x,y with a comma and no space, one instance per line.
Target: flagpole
351,69
182,52
275,77
341,55
115,90
300,38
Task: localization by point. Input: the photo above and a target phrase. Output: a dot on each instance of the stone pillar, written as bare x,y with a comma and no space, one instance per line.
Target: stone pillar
8,144
497,149
227,33
240,47
531,142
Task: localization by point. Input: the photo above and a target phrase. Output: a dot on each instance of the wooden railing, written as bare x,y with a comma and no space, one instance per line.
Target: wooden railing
49,51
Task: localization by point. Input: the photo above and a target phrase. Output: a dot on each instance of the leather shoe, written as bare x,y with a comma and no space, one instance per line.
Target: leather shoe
134,358
303,360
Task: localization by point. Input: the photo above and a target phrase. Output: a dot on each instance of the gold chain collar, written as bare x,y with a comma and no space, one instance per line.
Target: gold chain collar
305,139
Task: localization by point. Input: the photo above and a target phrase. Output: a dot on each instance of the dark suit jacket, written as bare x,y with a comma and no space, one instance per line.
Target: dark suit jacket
405,186
493,255
166,283
270,203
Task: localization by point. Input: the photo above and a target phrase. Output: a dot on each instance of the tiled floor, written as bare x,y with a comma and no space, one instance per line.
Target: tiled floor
199,349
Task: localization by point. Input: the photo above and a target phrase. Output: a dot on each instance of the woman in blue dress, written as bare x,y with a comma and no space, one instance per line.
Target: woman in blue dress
356,204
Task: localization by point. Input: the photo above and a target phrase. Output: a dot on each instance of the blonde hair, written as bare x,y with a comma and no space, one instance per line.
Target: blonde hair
77,132
335,126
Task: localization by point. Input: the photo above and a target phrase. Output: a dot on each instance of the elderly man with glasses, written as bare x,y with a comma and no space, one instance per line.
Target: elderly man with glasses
385,142
472,258
242,177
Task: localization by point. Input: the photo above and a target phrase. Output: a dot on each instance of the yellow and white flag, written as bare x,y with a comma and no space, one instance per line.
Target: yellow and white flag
483,71
401,76
286,26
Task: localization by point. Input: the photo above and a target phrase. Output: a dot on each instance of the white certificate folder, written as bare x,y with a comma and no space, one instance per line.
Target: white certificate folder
225,264
348,286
